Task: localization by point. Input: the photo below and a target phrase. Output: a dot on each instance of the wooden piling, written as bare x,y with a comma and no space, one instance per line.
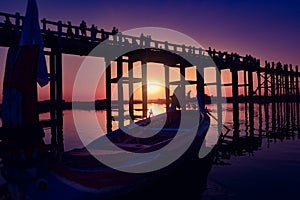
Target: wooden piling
108,95
167,86
144,88
130,89
235,102
53,98
120,92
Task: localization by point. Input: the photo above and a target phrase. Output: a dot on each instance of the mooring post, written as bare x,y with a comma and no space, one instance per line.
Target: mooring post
130,89
144,88
167,86
120,92
53,98
108,94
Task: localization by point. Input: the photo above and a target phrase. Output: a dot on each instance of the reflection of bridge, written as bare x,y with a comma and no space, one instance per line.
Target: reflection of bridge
274,80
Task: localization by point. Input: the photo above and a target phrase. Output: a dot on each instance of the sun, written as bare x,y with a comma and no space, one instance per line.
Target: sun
154,87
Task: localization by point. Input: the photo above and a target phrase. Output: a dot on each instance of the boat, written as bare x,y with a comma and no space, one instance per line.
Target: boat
79,175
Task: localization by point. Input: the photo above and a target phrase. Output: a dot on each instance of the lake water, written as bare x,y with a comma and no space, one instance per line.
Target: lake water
268,168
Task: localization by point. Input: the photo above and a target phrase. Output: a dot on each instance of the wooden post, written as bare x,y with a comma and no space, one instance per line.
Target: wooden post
287,92
259,85
235,102
182,82
219,97
144,88
277,93
167,86
297,97
273,96
59,90
250,96
130,89
120,92
200,83
53,98
108,94
17,26
266,82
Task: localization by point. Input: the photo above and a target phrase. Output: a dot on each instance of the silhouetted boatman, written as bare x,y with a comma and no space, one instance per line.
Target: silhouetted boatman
177,97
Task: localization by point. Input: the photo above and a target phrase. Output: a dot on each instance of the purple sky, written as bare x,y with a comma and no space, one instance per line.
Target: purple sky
265,29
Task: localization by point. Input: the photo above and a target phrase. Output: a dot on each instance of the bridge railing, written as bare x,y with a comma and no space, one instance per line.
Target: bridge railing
92,34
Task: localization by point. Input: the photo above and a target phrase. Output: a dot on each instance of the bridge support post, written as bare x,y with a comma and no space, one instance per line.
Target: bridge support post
298,97
219,97
235,102
130,89
287,92
200,83
144,88
108,95
273,96
183,85
120,92
250,96
167,86
53,98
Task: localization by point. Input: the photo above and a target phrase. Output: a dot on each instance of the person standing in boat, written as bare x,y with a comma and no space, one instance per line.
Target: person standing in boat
177,97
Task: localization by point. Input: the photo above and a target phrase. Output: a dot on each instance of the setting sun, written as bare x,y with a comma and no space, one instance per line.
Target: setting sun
154,87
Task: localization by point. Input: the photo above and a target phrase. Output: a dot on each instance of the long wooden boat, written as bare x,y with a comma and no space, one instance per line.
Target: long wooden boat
79,175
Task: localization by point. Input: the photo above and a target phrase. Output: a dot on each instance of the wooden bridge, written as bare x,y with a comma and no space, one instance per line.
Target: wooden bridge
276,82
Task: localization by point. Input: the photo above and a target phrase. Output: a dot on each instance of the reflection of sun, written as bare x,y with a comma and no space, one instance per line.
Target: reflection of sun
153,87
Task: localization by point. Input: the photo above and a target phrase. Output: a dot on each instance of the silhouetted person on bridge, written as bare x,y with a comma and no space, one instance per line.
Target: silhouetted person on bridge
7,22
82,28
114,31
94,31
69,30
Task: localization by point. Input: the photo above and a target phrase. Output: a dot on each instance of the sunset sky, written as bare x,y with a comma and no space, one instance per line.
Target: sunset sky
268,30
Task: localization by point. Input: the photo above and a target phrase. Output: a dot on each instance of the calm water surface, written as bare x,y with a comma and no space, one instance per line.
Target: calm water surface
269,169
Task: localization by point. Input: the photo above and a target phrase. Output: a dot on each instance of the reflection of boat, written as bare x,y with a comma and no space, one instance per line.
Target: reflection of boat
78,175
